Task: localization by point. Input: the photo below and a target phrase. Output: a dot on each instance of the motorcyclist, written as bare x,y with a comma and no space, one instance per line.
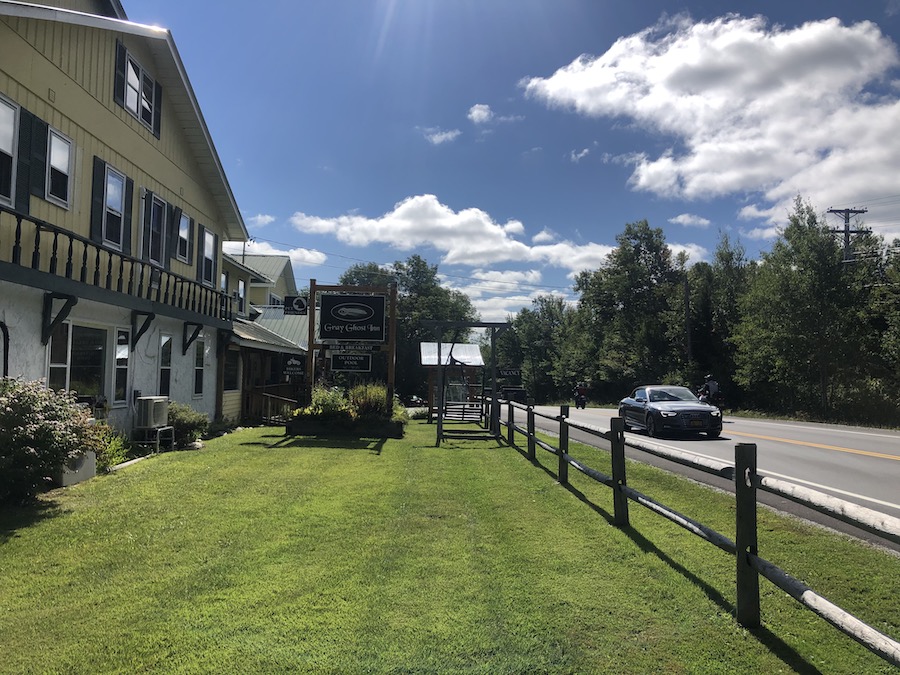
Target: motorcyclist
709,392
580,394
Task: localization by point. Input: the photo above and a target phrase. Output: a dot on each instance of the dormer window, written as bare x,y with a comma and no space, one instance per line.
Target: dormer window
137,91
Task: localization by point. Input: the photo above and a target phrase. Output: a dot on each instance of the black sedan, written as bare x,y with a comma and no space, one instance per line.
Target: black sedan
661,408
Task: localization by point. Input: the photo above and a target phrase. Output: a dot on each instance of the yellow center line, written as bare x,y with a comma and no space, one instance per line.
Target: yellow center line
867,453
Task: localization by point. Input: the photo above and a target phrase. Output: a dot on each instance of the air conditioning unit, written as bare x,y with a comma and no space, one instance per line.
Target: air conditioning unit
152,412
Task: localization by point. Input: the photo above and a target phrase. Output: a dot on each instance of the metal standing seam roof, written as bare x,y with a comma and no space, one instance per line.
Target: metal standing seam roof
272,267
292,327
467,354
251,334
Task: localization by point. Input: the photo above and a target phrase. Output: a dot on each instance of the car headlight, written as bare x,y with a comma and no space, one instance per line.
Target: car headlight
668,413
716,413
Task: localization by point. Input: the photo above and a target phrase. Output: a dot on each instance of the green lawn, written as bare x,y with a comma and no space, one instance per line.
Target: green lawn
267,554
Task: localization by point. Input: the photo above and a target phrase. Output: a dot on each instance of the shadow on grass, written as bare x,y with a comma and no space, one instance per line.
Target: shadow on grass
767,638
349,442
14,518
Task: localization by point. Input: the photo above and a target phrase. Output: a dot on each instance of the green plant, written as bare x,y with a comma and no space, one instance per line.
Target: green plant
327,404
110,446
189,424
369,400
39,430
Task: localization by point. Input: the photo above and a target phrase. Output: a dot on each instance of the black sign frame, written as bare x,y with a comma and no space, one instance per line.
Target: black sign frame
352,318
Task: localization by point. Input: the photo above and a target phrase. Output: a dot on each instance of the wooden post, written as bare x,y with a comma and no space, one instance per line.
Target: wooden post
392,348
563,471
745,534
311,343
531,443
617,452
510,423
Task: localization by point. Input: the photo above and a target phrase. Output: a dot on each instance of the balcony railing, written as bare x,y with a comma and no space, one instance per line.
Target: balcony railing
39,254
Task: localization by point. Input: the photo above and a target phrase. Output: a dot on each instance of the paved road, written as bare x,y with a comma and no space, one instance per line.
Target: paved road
855,464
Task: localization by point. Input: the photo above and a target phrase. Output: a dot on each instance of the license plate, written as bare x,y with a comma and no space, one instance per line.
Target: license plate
696,423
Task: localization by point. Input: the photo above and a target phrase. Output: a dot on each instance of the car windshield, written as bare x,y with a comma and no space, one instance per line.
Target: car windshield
659,394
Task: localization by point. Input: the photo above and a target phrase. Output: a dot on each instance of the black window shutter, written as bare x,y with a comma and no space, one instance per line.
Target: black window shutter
40,139
174,230
157,108
148,216
126,217
98,188
23,163
119,84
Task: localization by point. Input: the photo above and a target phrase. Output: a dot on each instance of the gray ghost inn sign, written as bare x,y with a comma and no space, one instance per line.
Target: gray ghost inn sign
352,317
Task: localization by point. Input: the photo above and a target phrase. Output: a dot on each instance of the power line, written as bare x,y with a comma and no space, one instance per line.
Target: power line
847,231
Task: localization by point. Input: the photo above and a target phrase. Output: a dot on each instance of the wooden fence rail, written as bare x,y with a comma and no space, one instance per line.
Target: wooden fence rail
749,565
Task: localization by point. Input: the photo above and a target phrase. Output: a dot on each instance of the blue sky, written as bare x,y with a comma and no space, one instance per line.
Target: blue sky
510,141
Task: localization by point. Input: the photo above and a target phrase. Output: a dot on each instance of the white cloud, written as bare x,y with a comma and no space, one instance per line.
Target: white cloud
690,220
438,136
300,257
260,220
480,113
695,252
749,109
545,236
467,237
578,156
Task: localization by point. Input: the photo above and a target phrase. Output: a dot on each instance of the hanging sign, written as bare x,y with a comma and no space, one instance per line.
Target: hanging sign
357,363
352,318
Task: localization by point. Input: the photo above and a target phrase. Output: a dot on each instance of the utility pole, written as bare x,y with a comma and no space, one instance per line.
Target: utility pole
847,231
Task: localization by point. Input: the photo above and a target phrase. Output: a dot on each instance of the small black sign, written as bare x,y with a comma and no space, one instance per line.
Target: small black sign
295,304
352,318
358,363
510,372
295,365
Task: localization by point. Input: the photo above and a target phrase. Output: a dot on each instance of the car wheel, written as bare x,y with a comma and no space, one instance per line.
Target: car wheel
651,426
713,434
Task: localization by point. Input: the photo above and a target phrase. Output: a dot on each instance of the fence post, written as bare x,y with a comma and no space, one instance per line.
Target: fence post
563,471
510,423
531,444
745,534
617,452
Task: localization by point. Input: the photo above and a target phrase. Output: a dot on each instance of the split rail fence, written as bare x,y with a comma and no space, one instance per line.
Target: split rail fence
747,480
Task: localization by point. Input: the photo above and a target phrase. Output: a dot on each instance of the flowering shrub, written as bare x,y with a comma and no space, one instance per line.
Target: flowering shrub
363,402
39,430
368,400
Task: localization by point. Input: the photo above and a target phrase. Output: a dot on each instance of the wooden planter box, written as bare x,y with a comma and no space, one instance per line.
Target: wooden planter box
360,429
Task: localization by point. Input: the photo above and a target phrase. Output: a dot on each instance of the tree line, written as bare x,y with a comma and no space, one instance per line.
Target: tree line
808,330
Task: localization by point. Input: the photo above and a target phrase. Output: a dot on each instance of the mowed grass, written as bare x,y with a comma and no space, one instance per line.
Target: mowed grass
266,554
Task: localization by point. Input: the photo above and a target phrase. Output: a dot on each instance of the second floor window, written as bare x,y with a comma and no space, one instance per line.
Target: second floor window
59,168
184,237
208,269
156,231
241,295
7,150
115,208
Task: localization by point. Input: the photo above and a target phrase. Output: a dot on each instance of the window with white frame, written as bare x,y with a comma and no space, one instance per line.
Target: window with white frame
140,93
8,117
183,247
199,357
241,295
59,168
113,217
77,360
275,299
209,257
165,364
156,230
123,352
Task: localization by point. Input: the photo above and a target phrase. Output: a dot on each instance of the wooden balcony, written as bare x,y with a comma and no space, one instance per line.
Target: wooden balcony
43,256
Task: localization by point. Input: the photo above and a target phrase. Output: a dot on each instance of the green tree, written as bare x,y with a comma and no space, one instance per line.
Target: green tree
420,296
800,330
635,303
